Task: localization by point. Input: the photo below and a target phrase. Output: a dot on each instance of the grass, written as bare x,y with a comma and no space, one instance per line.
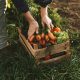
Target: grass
16,64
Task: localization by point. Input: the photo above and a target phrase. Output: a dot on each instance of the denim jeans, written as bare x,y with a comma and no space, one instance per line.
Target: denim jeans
3,31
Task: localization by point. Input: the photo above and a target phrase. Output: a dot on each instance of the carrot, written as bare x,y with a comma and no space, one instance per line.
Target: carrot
51,36
52,41
42,35
31,38
47,57
46,37
57,29
38,37
43,43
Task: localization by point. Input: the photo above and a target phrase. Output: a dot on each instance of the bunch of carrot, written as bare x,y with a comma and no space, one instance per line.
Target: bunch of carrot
44,39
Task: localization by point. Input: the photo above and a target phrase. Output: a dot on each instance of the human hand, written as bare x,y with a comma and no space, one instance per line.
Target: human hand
33,27
46,21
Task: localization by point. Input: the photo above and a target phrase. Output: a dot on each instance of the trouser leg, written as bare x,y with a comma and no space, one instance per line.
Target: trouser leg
3,31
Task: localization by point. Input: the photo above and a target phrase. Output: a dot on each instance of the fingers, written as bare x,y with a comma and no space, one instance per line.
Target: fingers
43,25
48,25
30,33
32,30
47,22
37,30
51,26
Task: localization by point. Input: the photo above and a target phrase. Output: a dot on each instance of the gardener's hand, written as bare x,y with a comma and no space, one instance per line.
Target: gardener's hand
46,21
33,27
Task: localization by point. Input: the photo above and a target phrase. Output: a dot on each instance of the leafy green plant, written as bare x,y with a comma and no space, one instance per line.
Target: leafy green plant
12,33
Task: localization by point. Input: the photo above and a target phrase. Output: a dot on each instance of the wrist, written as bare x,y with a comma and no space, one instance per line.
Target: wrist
29,17
43,11
31,21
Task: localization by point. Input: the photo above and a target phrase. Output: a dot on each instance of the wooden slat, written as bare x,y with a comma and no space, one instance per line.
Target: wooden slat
52,49
57,59
26,43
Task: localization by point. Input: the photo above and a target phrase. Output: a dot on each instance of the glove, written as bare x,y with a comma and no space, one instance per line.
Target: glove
33,27
46,21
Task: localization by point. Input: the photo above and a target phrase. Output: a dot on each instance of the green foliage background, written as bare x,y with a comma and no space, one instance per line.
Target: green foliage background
18,65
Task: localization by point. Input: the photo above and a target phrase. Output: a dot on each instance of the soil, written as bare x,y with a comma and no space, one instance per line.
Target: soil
69,9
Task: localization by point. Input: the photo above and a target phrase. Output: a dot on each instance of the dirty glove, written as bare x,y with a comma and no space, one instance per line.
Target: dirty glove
46,21
33,27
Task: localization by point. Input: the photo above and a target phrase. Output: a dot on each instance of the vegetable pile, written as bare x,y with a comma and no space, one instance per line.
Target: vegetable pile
48,37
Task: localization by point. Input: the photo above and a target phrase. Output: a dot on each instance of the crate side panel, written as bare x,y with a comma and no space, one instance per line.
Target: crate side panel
52,49
57,59
26,43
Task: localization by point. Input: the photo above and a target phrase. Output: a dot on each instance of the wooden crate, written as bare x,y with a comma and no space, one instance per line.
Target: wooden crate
58,51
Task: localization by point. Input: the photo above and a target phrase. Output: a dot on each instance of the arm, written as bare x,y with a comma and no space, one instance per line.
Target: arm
22,7
46,21
44,13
